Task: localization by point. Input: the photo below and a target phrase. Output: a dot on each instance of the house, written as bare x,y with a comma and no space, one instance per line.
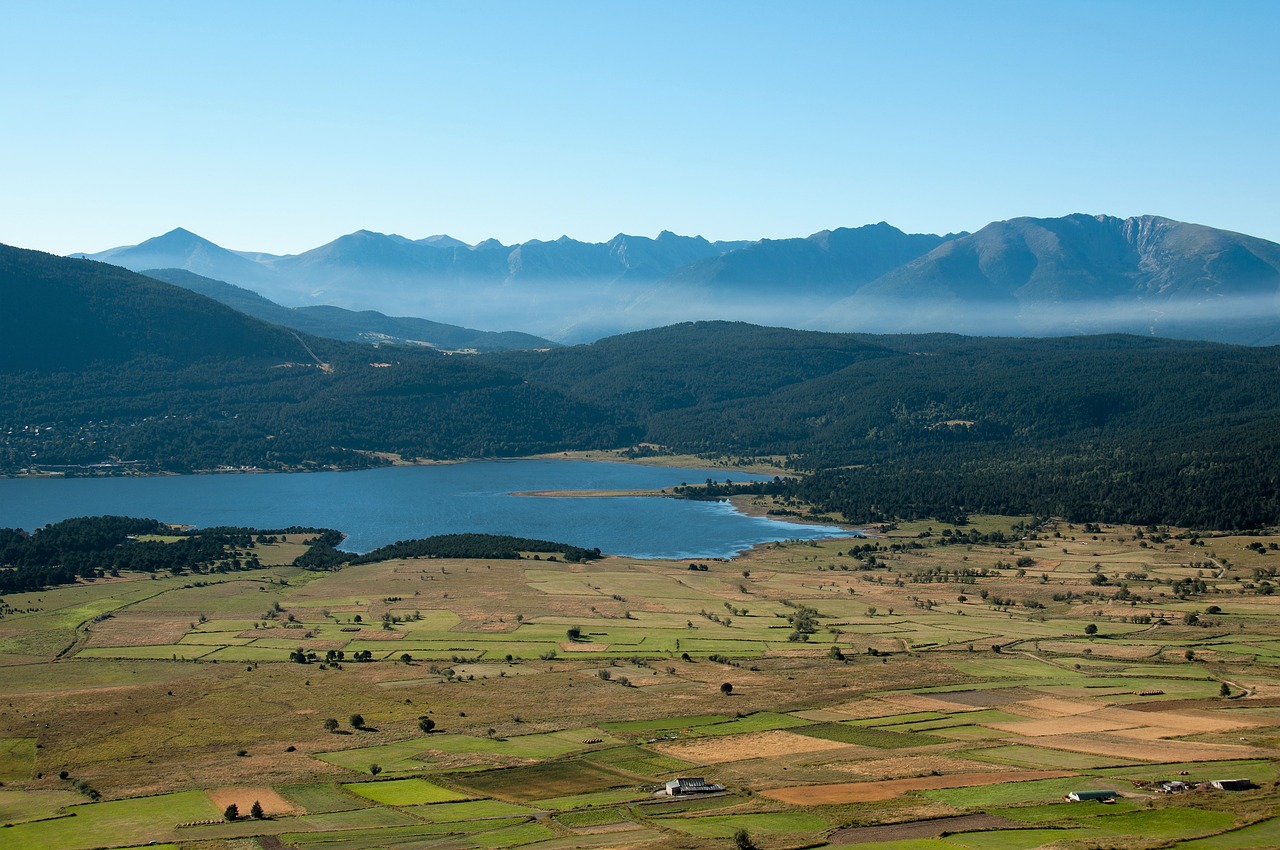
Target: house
1232,784
692,785
1101,796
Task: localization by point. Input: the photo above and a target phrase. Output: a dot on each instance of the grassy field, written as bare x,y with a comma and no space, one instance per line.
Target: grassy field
134,708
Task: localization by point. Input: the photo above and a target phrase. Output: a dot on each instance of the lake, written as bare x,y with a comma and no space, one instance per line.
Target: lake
380,506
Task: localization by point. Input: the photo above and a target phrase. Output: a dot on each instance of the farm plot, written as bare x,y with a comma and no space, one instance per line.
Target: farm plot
747,746
21,806
135,820
637,760
864,737
546,781
243,797
867,792
404,792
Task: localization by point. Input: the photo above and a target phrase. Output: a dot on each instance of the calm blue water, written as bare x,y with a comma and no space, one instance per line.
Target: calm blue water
380,506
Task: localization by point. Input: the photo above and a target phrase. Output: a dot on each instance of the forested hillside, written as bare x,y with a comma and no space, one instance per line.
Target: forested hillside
1102,428
101,366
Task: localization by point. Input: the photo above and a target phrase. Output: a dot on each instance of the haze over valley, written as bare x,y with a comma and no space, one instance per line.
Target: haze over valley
1077,274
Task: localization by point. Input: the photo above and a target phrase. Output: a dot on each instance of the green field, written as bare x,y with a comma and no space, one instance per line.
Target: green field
404,792
187,697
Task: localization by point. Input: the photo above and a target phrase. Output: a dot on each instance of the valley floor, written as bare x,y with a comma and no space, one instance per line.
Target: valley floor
936,687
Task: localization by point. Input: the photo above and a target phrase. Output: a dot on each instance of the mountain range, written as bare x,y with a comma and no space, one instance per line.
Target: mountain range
1025,276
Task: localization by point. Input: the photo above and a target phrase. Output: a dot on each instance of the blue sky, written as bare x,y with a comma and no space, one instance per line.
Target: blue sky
278,126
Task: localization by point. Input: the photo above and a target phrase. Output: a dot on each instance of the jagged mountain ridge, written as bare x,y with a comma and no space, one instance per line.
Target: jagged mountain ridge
1073,274
1081,273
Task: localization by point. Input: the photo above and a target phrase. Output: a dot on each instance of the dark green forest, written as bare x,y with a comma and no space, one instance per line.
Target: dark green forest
95,547
1091,428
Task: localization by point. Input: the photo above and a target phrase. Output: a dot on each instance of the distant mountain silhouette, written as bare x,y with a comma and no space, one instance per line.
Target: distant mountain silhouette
829,262
1074,274
182,249
1082,273
364,326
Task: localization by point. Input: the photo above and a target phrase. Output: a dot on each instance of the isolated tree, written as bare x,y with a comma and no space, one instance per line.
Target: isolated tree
256,811
1091,629
331,725
726,688
375,769
1190,655
406,658
574,633
357,721
1225,690
742,839
231,812
426,724
836,653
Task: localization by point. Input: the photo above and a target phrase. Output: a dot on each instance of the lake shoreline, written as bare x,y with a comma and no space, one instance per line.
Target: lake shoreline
618,507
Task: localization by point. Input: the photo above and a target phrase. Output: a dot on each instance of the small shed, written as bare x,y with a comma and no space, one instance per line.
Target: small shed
692,785
1232,784
1081,796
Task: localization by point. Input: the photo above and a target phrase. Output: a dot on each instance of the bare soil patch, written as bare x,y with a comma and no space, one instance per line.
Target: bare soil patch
750,746
244,797
932,828
1119,745
1052,707
1063,726
1189,723
868,792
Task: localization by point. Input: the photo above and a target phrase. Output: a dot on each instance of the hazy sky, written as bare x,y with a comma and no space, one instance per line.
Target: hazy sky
278,126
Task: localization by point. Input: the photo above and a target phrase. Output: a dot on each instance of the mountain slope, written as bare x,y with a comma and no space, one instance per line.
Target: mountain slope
98,363
182,249
70,314
1083,273
337,323
830,261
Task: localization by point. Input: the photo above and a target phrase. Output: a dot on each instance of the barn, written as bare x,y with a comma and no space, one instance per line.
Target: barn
692,785
1101,796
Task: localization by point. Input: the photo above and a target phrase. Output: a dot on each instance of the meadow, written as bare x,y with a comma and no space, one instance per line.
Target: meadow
931,686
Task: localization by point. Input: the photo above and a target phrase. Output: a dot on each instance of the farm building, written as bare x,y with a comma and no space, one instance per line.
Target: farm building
1174,787
692,785
1079,796
1232,784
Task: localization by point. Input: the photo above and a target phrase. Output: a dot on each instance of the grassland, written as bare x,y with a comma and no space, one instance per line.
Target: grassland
922,679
